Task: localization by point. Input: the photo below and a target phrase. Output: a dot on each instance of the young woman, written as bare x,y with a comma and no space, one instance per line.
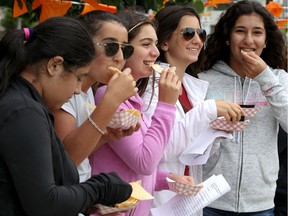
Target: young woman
246,62
40,69
136,157
73,121
180,41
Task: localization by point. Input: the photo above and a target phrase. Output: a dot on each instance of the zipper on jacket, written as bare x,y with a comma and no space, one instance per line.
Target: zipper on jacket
241,90
240,171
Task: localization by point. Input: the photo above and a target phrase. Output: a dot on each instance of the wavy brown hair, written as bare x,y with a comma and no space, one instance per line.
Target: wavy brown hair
134,20
168,20
275,53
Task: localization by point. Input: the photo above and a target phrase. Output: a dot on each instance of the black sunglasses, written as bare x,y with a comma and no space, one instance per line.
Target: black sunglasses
112,48
188,33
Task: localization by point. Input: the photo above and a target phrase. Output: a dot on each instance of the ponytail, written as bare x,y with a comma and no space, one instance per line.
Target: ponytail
13,57
57,36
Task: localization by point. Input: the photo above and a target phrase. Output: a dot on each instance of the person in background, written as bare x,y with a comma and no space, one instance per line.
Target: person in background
73,120
136,157
246,59
40,69
280,198
180,41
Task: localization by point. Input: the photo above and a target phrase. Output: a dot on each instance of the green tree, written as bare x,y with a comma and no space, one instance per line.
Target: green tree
31,18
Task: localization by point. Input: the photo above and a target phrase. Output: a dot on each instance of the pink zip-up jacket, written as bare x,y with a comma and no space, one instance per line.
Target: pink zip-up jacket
136,157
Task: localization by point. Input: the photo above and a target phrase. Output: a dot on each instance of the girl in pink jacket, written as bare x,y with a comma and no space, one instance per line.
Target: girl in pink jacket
136,157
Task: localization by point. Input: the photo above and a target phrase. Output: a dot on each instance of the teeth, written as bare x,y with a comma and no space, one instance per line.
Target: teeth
248,50
148,63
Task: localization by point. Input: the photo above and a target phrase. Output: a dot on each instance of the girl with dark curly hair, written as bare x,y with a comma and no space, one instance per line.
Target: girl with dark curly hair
246,59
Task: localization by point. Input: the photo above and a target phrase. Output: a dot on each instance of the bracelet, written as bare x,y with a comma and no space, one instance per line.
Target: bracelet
95,125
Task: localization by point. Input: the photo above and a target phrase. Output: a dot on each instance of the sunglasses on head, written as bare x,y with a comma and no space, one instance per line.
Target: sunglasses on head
112,48
188,33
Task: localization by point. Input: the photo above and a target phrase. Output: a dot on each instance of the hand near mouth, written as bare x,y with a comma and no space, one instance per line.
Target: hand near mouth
253,64
169,86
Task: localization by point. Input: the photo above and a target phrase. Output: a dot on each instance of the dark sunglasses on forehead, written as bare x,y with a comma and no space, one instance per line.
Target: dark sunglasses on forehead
188,33
112,48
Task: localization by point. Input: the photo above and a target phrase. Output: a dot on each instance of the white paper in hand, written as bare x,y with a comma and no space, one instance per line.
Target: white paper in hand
179,205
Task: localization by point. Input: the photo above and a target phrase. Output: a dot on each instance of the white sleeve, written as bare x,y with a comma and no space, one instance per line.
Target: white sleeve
70,106
188,128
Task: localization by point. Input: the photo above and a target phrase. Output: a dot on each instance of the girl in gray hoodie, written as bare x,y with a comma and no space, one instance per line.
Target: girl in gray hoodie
246,59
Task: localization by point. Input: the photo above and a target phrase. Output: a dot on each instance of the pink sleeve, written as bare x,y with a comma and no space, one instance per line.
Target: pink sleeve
161,182
143,150
99,94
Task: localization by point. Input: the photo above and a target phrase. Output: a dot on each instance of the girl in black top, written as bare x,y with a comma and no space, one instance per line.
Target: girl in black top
40,69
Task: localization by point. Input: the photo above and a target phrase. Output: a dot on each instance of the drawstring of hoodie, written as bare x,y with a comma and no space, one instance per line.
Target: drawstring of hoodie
237,134
248,91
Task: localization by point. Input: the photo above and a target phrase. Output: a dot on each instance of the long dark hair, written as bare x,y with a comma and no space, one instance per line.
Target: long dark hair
168,20
94,20
275,53
58,36
133,21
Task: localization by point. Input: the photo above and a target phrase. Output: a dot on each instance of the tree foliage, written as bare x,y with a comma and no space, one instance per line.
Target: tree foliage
29,19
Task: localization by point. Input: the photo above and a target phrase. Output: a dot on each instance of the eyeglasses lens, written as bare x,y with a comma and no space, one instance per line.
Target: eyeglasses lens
127,50
188,34
111,49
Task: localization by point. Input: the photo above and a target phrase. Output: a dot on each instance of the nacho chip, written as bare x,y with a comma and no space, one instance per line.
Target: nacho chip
138,193
157,68
114,69
135,112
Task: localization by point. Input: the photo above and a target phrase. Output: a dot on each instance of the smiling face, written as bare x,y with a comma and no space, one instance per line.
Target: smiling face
145,52
109,32
248,34
180,52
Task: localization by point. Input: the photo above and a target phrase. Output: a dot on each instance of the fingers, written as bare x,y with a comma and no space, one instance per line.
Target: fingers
229,110
125,73
248,57
137,127
190,180
234,113
168,73
131,130
169,86
181,178
253,64
114,134
122,86
118,133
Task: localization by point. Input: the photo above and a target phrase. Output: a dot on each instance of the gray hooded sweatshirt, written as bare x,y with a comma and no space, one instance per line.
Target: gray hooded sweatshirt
249,162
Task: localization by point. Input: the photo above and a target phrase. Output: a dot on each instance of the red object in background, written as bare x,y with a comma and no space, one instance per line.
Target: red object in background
187,106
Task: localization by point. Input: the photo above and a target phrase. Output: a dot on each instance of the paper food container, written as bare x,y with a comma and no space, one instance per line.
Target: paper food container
183,189
125,119
138,194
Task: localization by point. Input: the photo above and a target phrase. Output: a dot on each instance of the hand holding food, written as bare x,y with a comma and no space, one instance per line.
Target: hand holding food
121,86
253,64
169,86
